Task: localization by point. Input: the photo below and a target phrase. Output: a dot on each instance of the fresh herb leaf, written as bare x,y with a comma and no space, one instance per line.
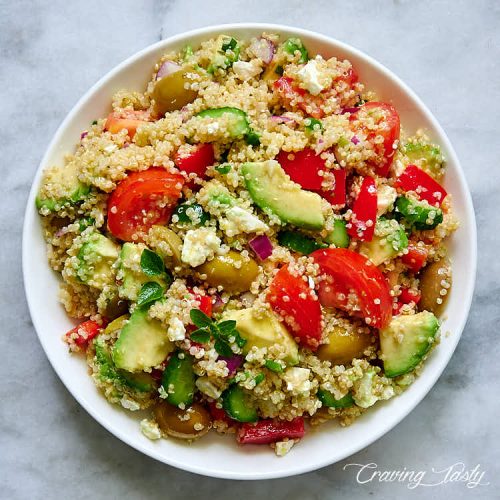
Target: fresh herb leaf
259,378
240,341
94,122
226,326
274,366
151,263
201,336
85,223
150,292
223,347
252,138
225,168
231,45
200,319
279,70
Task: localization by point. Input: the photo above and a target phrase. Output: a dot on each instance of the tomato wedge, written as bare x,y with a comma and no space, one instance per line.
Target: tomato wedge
387,125
142,200
292,298
130,120
303,167
353,284
293,96
337,197
415,258
197,160
364,212
82,334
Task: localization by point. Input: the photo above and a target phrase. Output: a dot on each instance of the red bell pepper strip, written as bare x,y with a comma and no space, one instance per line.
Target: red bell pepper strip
415,258
364,212
406,296
270,431
82,334
337,197
415,179
303,167
292,298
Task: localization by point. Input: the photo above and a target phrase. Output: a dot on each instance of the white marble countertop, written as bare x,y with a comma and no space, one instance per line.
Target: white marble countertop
52,52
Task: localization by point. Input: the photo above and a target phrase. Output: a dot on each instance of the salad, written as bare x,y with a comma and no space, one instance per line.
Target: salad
252,244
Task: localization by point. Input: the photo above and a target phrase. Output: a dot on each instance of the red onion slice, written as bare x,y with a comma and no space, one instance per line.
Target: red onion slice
167,68
264,49
354,140
262,246
232,362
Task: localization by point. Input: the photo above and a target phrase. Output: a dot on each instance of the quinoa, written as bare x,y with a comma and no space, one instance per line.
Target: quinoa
183,312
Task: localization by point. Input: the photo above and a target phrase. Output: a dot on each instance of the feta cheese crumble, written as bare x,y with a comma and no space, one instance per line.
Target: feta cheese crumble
150,429
283,447
200,245
176,330
297,380
386,196
309,77
239,221
246,70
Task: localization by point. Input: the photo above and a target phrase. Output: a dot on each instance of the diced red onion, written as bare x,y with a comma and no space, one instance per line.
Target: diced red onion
281,119
354,139
350,110
232,362
264,49
167,68
217,303
262,246
83,135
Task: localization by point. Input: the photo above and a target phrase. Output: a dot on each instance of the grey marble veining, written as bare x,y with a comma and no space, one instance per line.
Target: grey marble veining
51,52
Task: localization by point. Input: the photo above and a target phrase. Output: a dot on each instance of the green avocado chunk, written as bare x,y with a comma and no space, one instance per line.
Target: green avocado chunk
238,120
389,239
338,236
406,340
276,194
142,344
95,261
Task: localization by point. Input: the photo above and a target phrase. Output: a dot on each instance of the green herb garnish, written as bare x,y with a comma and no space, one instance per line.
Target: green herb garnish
151,263
150,292
225,168
259,378
274,366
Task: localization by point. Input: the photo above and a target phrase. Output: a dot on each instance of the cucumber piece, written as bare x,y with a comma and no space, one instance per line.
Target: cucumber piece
227,53
191,214
239,125
328,399
234,402
312,125
298,242
294,45
178,379
418,214
142,381
426,156
338,236
406,340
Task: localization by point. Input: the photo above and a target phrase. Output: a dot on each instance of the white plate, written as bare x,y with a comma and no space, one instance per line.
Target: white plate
215,455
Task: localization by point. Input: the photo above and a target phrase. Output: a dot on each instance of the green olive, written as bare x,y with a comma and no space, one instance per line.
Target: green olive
166,243
344,345
435,285
231,271
170,92
191,423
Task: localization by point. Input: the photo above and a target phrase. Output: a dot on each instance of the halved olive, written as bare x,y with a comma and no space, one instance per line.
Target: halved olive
166,243
231,271
172,92
191,423
344,346
435,285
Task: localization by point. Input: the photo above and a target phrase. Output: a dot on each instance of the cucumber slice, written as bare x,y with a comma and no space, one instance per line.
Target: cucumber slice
179,380
195,216
239,125
418,214
328,399
312,125
293,45
338,236
406,341
235,404
298,242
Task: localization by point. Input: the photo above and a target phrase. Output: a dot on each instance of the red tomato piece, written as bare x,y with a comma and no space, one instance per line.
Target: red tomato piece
387,125
82,334
292,298
293,96
426,188
408,295
197,160
303,167
129,120
350,77
337,197
347,275
219,413
270,431
415,258
142,200
364,211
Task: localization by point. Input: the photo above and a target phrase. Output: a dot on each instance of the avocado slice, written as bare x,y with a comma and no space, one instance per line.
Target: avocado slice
142,344
389,239
406,341
70,190
95,261
276,194
131,274
264,331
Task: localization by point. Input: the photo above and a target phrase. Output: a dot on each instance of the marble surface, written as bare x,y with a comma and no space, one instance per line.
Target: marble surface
51,52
